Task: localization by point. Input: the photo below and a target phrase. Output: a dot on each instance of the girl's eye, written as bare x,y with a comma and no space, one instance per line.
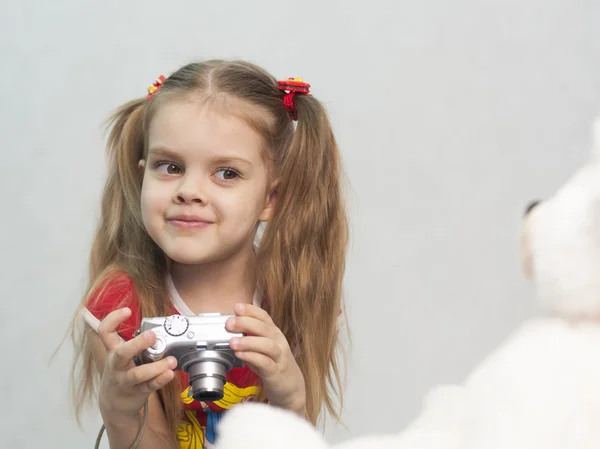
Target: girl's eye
168,168
227,174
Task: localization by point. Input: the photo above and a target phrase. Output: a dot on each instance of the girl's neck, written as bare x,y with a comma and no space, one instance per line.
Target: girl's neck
216,286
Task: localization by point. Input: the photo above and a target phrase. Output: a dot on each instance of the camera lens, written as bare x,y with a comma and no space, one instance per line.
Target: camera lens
207,380
207,371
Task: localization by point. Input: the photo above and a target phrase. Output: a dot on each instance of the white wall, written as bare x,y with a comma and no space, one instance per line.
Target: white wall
450,115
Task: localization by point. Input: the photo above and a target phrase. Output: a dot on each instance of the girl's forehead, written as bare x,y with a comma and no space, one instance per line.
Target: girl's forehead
191,126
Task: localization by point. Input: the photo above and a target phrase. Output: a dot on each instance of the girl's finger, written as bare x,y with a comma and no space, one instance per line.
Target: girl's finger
261,345
250,325
127,351
155,383
108,328
253,311
259,363
149,371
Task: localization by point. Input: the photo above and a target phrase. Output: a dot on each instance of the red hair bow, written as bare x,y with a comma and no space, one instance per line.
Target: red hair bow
155,87
292,86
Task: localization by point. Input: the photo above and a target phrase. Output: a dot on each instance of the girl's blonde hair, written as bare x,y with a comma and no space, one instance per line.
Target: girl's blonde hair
301,256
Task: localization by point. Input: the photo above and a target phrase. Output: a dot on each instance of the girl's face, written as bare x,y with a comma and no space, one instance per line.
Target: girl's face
206,183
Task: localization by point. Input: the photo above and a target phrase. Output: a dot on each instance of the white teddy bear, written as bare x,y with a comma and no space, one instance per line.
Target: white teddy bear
539,390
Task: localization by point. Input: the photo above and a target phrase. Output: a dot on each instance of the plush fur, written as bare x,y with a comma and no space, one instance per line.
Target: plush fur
539,390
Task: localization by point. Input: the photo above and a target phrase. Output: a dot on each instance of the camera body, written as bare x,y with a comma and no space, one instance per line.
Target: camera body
200,343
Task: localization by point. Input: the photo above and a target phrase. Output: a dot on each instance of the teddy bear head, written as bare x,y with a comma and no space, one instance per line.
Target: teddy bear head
560,243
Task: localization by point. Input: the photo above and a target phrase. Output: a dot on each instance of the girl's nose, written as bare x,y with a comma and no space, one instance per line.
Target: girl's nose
189,191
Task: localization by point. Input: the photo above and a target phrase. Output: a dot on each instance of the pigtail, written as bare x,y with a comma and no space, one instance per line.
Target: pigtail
121,245
125,145
302,254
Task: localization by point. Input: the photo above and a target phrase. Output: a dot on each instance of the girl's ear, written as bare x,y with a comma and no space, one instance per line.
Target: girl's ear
270,202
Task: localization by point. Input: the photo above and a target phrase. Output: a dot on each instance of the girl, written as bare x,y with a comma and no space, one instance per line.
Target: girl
195,167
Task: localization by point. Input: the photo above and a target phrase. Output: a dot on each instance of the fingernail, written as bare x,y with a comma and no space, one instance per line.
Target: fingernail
239,308
126,310
172,362
230,322
149,335
234,342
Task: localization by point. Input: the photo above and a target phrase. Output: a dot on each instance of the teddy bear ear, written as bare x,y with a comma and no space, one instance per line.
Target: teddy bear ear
525,248
525,240
530,206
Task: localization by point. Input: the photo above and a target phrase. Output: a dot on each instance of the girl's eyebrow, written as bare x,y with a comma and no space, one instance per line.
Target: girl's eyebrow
167,153
225,160
163,152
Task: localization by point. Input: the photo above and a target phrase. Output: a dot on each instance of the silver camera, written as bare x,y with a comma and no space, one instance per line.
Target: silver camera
200,344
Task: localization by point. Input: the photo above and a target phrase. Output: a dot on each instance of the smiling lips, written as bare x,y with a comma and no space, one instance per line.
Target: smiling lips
188,222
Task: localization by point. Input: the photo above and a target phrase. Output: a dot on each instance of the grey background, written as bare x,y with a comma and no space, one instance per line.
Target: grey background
450,116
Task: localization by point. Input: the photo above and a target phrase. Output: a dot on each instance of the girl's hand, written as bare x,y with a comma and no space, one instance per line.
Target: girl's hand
268,354
125,387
